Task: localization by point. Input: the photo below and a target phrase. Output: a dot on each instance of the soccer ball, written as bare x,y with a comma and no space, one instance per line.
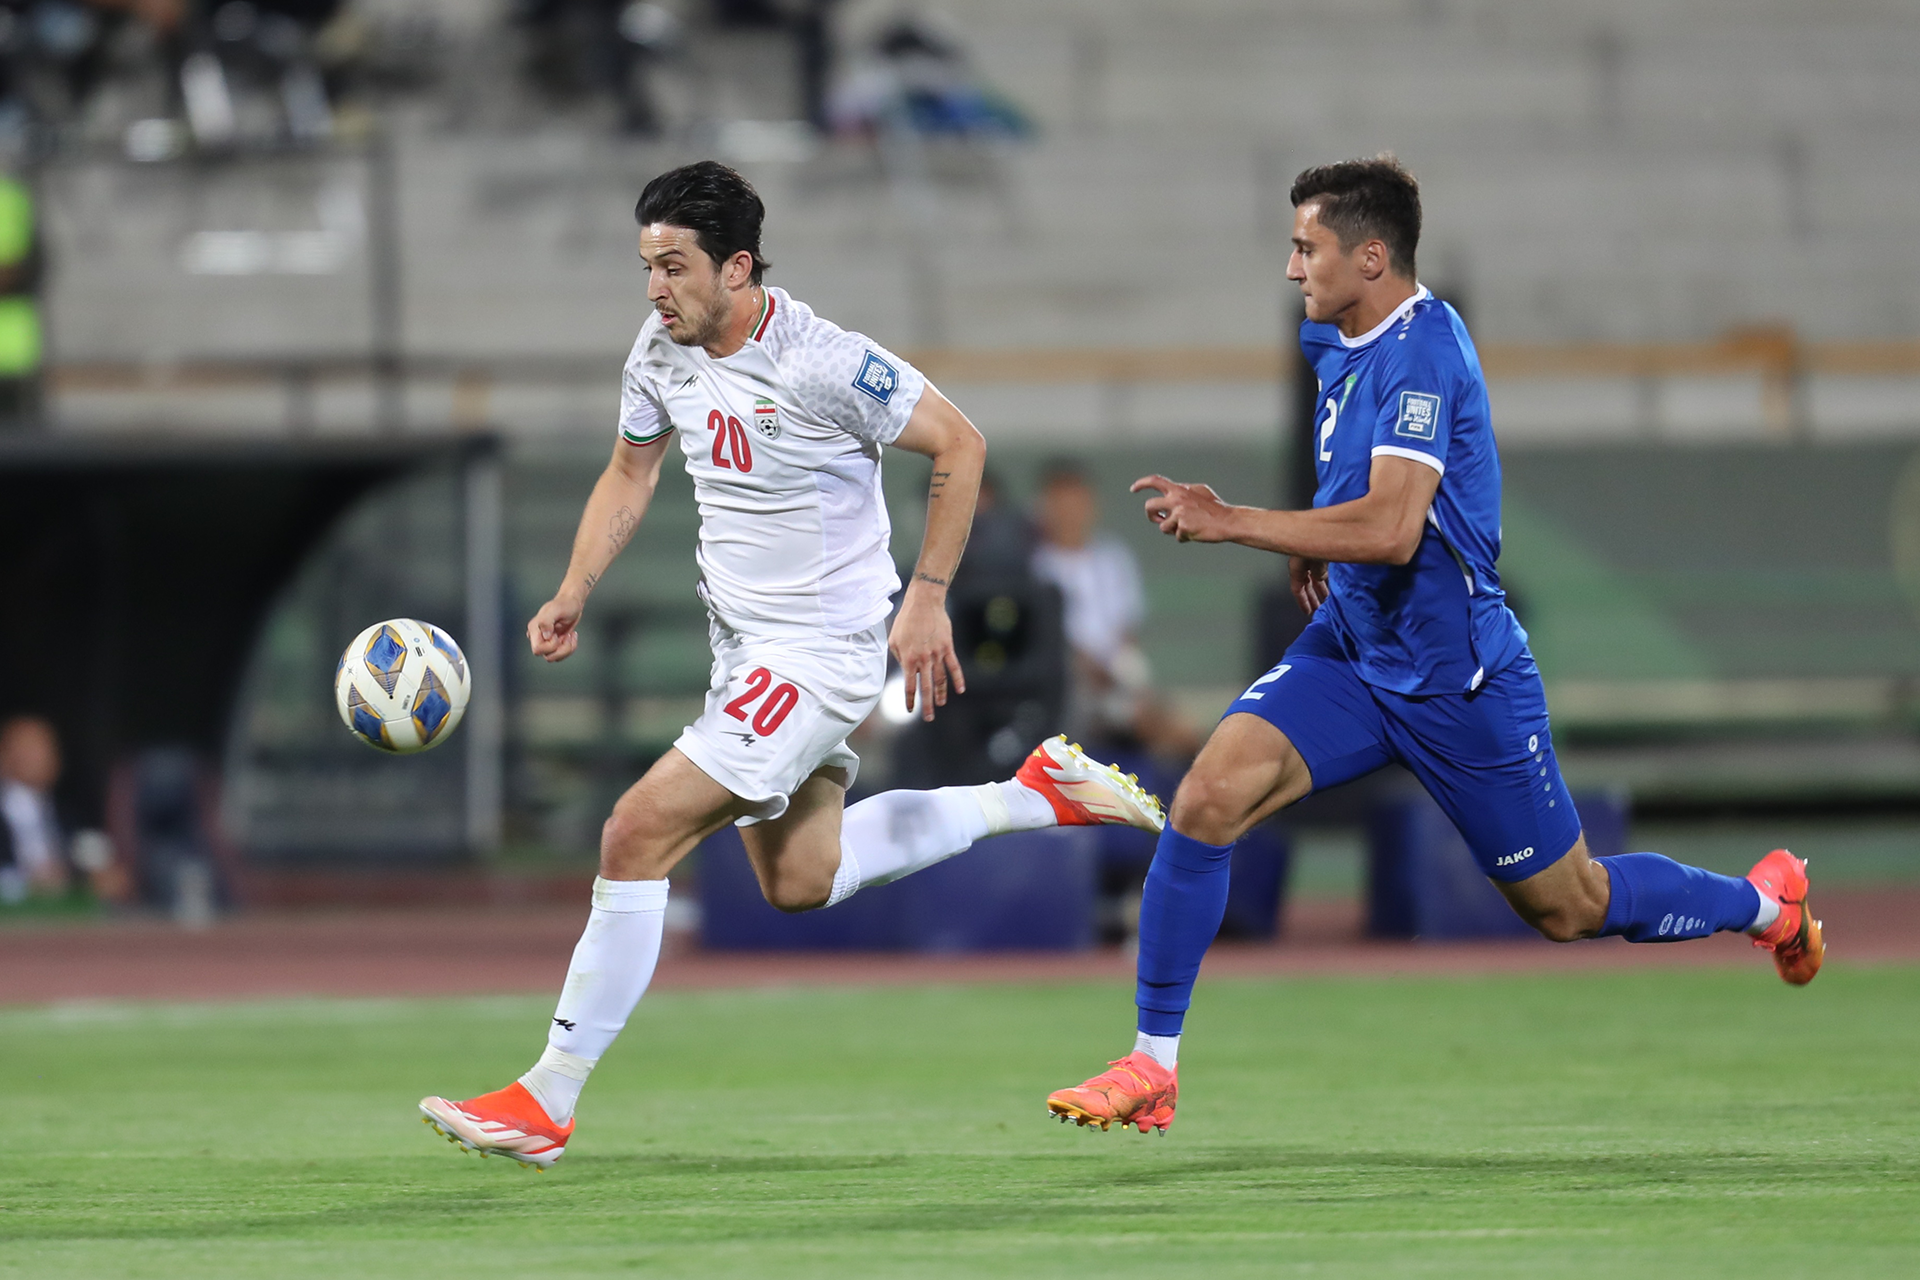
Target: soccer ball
401,685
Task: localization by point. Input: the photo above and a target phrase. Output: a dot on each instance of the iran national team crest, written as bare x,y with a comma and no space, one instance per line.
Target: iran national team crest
766,418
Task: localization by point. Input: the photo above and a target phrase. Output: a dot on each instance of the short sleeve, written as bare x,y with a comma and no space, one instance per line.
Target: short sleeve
855,383
642,418
1416,411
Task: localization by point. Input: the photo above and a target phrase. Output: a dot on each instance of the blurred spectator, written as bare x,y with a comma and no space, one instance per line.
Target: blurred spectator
1099,579
163,812
810,23
263,46
1094,571
32,849
1008,633
608,48
35,856
1000,548
56,55
917,77
21,264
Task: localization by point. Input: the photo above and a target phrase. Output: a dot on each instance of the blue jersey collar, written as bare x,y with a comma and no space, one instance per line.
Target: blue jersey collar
1399,313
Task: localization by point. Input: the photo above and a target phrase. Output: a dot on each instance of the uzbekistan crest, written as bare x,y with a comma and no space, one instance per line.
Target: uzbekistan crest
766,417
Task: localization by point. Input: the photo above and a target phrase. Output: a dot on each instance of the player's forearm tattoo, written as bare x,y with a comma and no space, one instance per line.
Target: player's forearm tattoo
620,528
938,485
927,577
592,579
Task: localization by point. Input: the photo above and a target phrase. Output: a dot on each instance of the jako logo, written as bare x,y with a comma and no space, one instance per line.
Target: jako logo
1513,859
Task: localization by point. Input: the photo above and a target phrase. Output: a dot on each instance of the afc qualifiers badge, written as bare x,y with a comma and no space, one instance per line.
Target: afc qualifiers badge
766,418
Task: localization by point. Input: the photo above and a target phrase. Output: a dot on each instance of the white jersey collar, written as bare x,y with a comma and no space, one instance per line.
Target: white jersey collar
1399,313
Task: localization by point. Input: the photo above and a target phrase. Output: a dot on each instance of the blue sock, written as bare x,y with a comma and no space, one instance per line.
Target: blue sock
1656,899
1180,911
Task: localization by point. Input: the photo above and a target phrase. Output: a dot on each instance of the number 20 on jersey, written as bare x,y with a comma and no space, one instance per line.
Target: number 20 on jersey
729,436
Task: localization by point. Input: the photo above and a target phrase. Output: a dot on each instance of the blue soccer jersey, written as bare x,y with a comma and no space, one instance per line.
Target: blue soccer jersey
1412,388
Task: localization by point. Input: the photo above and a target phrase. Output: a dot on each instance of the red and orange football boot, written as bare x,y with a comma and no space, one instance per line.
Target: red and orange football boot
1794,937
1084,792
1136,1090
509,1122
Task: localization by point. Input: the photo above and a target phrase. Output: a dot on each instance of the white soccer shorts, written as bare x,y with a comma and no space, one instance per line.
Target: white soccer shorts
780,709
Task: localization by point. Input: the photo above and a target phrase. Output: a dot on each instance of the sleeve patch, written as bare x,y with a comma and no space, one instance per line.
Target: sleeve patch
1419,416
876,378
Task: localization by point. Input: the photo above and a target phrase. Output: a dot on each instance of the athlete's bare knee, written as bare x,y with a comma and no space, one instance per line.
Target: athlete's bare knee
629,845
795,901
794,893
1207,808
1566,900
1559,925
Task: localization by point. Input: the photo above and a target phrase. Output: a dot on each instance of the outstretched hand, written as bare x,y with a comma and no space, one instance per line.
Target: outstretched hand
554,632
922,643
1189,512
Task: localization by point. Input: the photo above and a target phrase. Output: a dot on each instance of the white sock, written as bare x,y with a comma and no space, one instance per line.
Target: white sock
1769,912
1164,1050
1013,806
897,833
612,964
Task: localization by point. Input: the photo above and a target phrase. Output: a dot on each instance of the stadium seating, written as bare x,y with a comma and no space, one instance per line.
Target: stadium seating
1642,173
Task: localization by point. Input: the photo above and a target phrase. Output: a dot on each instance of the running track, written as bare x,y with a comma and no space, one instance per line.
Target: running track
490,950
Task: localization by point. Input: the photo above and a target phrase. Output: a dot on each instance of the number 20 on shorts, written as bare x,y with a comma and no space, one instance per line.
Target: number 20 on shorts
773,711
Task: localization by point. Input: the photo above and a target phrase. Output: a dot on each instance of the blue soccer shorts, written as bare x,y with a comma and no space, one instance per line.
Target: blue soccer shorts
1486,757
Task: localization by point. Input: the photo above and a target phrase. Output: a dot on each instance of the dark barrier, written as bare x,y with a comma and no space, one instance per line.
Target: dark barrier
136,575
1029,892
1423,883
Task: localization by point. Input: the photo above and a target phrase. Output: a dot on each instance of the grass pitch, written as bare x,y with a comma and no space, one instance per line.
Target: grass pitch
1681,1123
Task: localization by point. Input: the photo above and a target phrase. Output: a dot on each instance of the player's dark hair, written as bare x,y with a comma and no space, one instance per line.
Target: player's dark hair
1373,199
714,202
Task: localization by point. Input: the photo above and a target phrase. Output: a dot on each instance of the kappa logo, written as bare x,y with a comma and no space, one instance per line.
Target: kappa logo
766,418
877,378
1419,416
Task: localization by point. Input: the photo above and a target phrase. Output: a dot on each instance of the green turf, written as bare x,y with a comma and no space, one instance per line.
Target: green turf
1675,1123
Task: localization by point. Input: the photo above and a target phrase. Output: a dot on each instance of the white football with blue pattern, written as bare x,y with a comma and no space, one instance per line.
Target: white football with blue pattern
402,685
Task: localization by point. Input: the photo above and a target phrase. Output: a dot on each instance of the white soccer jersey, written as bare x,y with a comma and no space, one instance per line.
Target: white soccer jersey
783,441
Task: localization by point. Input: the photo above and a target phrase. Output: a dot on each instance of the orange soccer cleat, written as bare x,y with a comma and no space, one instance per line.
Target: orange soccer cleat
509,1121
1084,792
1794,937
1136,1090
